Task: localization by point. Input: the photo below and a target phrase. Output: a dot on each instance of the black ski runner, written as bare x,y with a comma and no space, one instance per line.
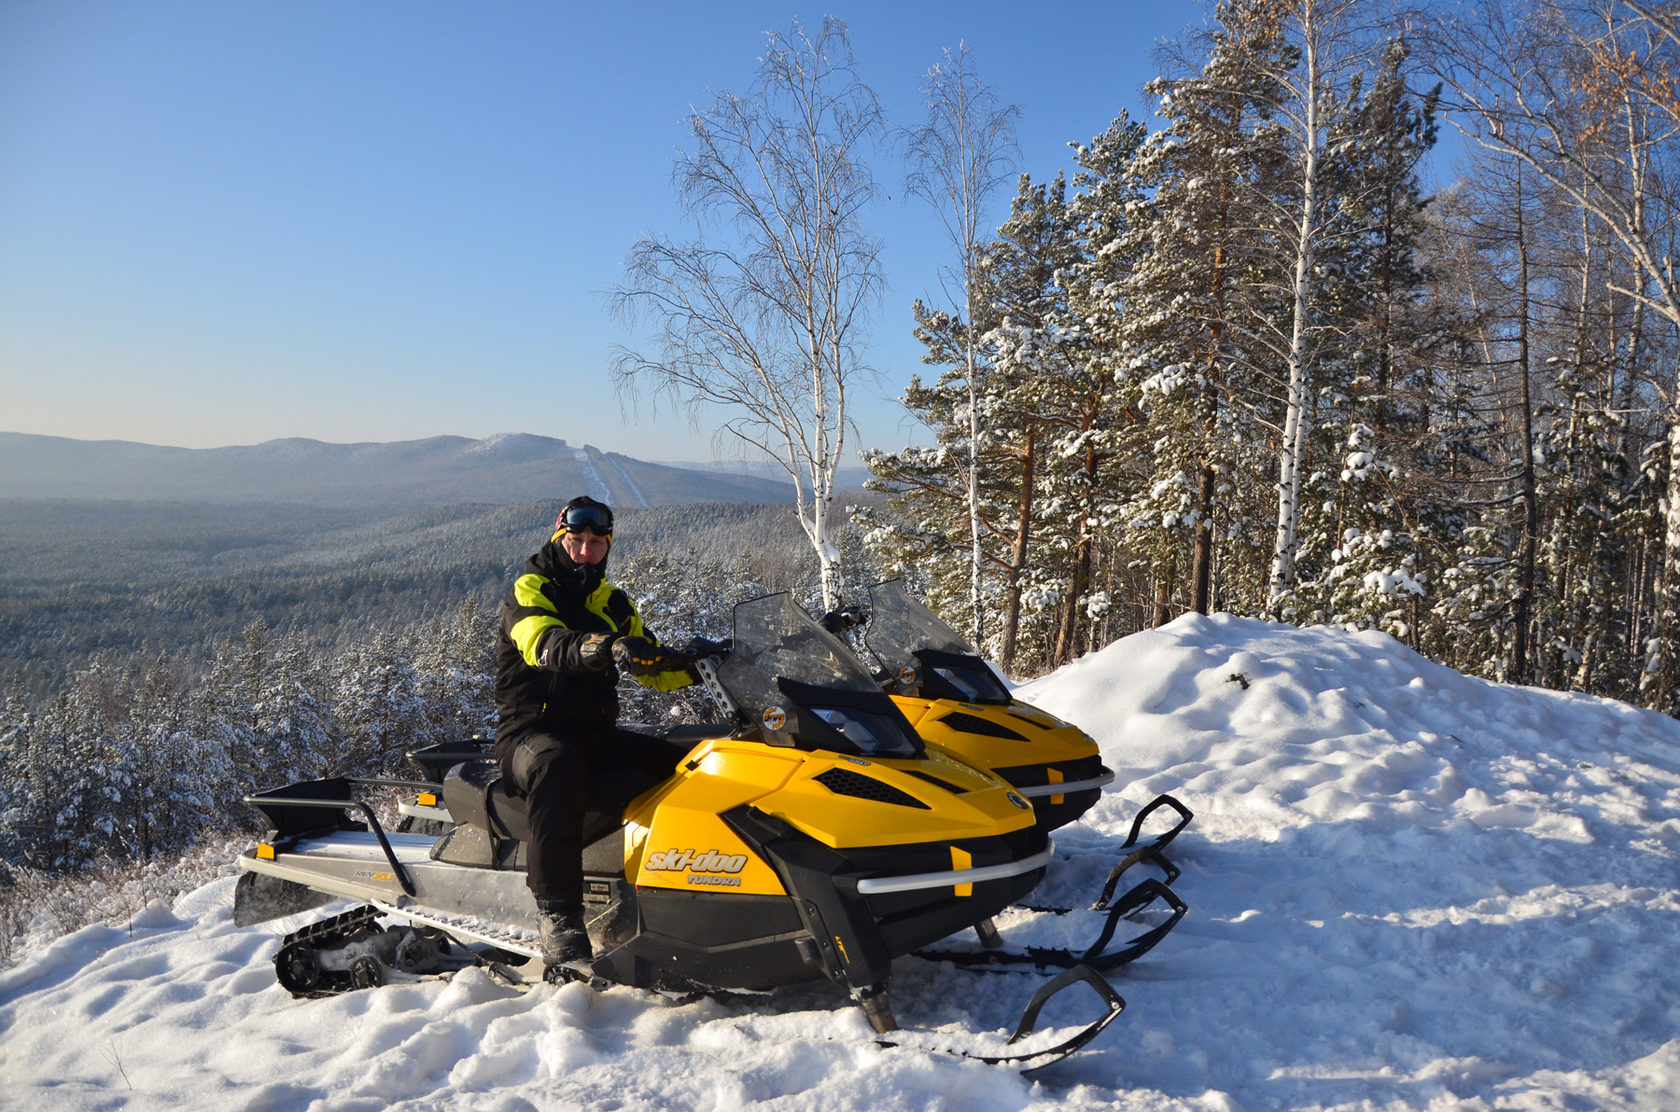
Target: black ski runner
1039,1059
1139,897
1163,840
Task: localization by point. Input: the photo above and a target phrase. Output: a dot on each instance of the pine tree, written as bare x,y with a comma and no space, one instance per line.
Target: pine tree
376,709
1031,349
1192,301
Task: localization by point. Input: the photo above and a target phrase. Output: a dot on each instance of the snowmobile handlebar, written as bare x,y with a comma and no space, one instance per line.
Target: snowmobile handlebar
846,618
641,656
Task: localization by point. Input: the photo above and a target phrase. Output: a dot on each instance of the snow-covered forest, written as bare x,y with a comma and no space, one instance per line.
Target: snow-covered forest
1249,357
136,757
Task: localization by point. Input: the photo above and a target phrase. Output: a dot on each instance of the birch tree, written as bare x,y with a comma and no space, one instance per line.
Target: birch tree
1330,51
762,313
957,159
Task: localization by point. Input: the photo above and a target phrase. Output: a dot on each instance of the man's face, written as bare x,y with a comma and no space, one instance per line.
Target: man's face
584,546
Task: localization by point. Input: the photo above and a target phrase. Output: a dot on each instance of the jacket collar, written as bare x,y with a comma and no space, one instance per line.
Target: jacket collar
552,562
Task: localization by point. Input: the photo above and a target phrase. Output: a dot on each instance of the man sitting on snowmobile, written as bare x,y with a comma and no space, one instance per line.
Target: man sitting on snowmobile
565,635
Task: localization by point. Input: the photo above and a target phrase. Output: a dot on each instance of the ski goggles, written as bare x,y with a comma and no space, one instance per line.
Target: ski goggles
596,519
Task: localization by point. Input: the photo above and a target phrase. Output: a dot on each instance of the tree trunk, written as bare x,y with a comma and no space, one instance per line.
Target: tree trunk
1163,593
1079,585
1018,558
816,514
976,596
1661,668
1201,567
1296,421
1079,572
1522,607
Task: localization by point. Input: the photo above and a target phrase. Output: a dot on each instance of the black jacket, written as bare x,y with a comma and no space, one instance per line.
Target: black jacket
541,683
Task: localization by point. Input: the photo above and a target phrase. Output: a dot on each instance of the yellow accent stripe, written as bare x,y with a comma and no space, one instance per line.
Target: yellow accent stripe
962,859
527,591
1056,778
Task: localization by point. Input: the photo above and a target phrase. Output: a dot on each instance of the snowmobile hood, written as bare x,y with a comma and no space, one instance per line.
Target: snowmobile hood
994,736
845,801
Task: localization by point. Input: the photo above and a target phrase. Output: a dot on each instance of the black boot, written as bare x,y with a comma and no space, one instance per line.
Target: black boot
563,938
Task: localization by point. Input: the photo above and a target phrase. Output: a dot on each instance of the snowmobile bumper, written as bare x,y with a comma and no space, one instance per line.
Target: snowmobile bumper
860,907
950,878
1060,793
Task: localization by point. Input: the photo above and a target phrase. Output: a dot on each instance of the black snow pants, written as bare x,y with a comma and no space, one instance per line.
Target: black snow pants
555,774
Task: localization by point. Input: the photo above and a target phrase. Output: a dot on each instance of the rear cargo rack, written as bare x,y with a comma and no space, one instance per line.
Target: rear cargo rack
293,811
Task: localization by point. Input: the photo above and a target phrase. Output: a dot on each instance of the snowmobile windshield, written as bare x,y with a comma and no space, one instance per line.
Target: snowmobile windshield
904,634
803,687
899,625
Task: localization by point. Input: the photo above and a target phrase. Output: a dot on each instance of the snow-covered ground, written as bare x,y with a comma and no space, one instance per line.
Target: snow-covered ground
1408,889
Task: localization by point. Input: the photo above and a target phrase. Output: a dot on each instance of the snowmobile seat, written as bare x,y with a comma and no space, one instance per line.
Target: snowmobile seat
435,761
475,795
491,823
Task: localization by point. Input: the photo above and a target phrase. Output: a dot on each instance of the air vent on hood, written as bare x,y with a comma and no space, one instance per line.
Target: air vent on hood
954,789
841,781
973,724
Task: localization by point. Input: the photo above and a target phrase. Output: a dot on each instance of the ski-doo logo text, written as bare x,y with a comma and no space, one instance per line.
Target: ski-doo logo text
687,860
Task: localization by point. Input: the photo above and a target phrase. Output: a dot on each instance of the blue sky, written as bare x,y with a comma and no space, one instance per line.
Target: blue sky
225,222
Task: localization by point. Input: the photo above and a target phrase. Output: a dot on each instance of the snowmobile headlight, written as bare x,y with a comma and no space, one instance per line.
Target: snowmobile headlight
874,735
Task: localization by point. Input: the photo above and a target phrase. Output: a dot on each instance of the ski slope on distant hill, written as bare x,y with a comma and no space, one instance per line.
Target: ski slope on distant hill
1408,889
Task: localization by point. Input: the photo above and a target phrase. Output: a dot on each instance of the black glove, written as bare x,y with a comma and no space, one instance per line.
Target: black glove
597,650
839,621
705,646
639,656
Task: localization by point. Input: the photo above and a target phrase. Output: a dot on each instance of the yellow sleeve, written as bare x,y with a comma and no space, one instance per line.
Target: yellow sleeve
536,617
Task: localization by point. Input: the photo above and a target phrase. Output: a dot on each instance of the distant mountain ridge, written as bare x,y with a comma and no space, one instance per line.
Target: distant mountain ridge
441,470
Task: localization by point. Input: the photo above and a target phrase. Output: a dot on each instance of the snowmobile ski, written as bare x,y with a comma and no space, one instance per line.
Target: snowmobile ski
1037,1060
1098,957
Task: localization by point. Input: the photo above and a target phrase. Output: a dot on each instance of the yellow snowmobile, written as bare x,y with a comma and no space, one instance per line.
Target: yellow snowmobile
958,703
812,836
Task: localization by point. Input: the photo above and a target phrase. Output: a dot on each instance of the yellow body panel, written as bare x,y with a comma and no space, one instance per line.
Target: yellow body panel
677,839
1048,740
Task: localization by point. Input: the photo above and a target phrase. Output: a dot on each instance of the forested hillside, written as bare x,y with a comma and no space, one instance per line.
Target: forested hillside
81,581
406,474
